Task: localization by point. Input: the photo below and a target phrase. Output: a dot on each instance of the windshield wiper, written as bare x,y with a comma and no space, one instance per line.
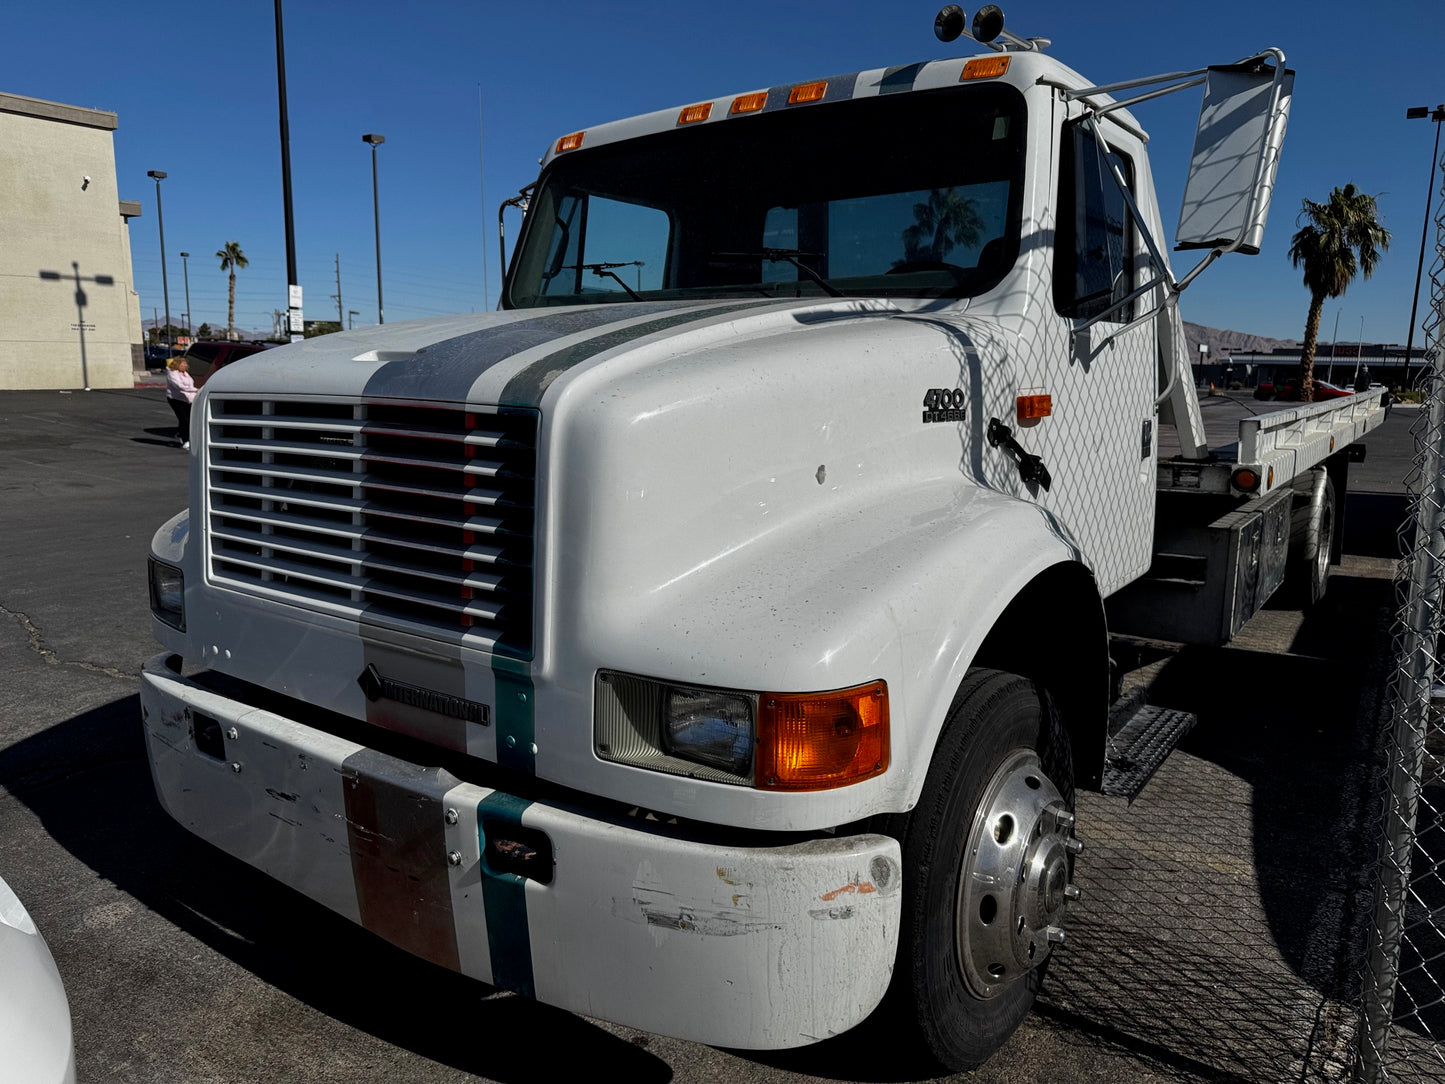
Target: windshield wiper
785,255
604,270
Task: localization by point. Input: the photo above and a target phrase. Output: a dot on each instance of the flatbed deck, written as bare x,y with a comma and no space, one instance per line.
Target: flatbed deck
1275,439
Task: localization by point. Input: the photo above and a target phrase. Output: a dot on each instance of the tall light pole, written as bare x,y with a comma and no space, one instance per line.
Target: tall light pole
376,141
158,175
186,269
1420,112
294,320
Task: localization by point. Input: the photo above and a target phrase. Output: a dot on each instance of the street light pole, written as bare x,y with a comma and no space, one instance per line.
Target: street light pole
1420,113
158,175
376,141
293,300
186,269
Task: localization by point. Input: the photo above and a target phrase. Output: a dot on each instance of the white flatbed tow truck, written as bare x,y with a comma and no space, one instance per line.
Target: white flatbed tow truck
712,640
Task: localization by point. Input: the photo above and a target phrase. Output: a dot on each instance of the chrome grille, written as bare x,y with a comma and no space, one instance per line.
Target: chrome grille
414,515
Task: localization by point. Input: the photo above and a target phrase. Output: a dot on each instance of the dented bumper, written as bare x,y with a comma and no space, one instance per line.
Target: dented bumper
750,947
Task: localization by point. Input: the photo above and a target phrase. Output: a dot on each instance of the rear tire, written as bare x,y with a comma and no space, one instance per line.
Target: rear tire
1312,534
987,860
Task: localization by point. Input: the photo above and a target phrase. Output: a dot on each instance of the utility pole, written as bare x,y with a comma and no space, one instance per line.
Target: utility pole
186,266
340,318
350,323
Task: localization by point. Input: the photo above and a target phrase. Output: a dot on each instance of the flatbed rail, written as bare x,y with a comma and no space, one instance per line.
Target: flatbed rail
1278,445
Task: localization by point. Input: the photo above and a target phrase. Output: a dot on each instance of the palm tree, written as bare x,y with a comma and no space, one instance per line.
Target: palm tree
947,220
231,257
1343,237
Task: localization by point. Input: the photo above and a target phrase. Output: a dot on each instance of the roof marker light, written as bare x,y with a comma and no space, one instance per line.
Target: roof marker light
749,103
808,92
984,67
570,142
694,113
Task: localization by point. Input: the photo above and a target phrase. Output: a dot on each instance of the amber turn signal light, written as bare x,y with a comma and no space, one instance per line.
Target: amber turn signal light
818,741
1032,407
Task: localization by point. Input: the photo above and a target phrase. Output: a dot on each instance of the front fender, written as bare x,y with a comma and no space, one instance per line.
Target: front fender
905,590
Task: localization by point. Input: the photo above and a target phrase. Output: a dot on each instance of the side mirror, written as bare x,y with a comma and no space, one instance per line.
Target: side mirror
1236,153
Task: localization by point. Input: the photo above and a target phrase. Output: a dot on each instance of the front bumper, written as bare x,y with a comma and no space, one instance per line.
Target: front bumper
749,947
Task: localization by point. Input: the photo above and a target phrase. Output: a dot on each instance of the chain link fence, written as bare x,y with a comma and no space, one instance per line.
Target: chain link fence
1402,1033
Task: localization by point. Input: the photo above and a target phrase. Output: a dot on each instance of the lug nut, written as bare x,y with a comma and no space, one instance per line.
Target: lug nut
1074,845
1055,935
1071,892
1063,818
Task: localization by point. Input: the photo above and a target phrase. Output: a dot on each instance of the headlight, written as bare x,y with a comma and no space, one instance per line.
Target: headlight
168,594
709,727
771,741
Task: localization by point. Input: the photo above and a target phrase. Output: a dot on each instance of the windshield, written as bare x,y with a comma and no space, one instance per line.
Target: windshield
889,196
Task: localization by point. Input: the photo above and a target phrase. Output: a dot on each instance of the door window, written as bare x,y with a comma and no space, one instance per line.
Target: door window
1094,255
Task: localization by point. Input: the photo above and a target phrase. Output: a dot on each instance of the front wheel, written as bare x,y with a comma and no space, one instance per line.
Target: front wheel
987,858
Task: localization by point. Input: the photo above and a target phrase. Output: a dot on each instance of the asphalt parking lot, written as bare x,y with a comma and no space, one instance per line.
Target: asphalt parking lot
1218,937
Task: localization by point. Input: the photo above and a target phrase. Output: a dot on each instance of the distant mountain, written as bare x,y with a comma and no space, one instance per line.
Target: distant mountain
1223,344
218,331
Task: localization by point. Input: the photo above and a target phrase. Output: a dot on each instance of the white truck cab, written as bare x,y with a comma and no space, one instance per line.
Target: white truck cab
716,635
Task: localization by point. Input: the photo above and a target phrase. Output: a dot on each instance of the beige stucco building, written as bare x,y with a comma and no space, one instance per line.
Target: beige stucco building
69,314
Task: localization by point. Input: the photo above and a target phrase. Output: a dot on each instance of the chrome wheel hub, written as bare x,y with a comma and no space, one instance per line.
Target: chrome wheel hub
1014,883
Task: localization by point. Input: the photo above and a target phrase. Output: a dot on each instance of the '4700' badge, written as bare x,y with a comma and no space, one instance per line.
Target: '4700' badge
944,405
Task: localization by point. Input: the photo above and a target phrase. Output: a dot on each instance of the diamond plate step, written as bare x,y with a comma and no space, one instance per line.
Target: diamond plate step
1137,748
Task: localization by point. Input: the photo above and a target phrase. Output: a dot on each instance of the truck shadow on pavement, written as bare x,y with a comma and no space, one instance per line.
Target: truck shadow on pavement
1225,911
114,824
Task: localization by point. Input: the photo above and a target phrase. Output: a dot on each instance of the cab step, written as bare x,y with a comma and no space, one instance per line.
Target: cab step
1140,737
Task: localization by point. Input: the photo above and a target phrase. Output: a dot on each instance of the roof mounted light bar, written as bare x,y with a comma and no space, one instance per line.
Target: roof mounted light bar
951,23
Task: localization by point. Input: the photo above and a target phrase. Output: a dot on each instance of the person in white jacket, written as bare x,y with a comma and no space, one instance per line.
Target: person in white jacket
180,393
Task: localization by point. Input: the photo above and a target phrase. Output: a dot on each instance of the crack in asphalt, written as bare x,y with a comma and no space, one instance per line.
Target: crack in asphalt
35,641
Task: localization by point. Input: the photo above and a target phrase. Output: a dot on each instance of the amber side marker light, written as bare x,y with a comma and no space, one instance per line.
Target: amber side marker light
1033,407
808,92
985,67
694,113
749,103
570,142
818,741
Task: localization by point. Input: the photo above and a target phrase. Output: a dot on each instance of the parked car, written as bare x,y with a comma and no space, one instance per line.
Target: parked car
157,356
204,358
36,1044
1288,390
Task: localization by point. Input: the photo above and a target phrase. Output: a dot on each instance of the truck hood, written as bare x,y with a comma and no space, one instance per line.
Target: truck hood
512,357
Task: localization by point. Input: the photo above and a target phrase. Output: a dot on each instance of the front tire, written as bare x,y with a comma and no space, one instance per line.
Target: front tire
987,858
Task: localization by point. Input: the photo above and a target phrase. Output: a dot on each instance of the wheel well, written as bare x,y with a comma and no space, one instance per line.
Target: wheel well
1055,634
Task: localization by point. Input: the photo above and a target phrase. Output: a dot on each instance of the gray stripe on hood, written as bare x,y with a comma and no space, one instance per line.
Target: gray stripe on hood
447,370
527,387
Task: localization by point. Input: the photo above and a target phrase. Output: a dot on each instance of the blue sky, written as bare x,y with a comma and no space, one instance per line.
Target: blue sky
194,85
